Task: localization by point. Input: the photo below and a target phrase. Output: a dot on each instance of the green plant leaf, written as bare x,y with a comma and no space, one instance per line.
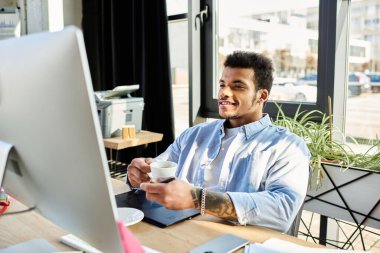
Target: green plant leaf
313,127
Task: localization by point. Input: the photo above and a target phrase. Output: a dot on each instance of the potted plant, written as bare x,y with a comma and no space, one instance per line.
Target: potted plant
343,184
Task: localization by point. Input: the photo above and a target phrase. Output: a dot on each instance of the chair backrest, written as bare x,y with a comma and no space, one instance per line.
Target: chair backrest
293,230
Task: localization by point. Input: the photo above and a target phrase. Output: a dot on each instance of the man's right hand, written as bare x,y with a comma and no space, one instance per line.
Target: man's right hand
137,171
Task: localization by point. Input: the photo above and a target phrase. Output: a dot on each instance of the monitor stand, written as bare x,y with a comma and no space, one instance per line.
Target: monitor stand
5,149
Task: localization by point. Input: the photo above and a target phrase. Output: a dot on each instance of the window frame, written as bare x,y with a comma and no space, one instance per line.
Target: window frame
326,64
177,17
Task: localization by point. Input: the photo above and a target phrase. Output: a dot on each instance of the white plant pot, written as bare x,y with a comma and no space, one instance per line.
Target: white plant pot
344,196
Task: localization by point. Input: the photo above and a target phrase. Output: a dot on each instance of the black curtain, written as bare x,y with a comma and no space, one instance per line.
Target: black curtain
127,43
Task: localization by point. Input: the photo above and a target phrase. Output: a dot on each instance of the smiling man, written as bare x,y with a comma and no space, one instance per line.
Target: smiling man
241,167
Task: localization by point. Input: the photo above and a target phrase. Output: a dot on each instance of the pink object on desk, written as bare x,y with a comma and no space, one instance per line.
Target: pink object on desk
129,241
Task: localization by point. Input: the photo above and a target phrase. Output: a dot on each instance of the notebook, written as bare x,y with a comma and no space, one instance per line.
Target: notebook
154,213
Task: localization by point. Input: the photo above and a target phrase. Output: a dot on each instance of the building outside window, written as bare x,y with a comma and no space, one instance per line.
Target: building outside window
284,33
363,113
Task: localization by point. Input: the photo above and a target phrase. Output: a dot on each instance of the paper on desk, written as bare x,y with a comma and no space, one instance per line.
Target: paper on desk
274,245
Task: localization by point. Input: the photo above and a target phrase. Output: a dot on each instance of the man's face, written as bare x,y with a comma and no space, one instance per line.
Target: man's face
238,100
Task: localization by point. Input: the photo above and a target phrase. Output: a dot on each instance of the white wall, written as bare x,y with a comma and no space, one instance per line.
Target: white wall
72,12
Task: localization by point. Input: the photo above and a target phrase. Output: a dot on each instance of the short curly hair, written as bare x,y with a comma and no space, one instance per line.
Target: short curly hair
261,65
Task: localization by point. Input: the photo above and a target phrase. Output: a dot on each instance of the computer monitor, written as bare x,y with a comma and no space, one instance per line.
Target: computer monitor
48,113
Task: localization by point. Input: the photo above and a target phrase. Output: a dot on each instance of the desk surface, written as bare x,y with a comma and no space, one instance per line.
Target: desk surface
142,137
177,238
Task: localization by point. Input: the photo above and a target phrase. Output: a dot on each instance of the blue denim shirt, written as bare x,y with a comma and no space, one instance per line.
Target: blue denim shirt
266,176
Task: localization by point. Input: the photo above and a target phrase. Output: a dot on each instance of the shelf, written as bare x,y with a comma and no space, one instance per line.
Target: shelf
142,137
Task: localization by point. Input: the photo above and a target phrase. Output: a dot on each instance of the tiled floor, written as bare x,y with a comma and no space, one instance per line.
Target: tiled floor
370,236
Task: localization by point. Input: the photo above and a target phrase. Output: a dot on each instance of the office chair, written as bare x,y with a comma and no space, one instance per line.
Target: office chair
293,230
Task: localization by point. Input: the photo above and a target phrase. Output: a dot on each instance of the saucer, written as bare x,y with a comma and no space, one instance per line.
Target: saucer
129,216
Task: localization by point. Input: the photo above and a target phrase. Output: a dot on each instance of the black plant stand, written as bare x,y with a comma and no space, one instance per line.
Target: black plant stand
358,218
349,239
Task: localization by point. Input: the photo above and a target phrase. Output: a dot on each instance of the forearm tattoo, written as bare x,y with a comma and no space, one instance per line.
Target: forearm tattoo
217,203
220,204
195,197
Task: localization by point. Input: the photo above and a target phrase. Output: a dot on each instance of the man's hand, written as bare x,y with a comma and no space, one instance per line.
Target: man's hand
180,195
137,171
176,194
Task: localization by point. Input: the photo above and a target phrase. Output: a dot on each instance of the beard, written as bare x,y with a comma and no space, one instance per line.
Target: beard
236,115
228,117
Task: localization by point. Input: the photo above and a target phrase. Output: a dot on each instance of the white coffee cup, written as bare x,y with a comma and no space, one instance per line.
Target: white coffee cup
162,169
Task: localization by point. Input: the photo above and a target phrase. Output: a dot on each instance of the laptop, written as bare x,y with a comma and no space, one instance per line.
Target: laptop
154,213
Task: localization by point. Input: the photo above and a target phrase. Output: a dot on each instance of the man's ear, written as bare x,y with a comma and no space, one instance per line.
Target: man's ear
264,95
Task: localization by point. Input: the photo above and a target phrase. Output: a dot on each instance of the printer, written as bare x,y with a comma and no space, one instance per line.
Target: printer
117,108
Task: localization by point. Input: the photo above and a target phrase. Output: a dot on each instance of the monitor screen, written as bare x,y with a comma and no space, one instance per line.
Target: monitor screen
48,113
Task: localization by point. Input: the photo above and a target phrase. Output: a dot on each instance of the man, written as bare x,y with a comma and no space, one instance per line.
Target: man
241,167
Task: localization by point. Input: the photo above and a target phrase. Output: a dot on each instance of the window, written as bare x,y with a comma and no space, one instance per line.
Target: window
179,73
356,23
176,7
357,51
362,112
178,43
288,33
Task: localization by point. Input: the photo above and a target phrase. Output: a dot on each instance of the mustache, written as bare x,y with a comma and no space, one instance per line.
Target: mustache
227,102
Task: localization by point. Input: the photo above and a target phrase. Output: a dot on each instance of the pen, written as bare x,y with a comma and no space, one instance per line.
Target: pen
137,191
167,180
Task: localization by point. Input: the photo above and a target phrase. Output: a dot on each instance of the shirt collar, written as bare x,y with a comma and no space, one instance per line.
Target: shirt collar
253,127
